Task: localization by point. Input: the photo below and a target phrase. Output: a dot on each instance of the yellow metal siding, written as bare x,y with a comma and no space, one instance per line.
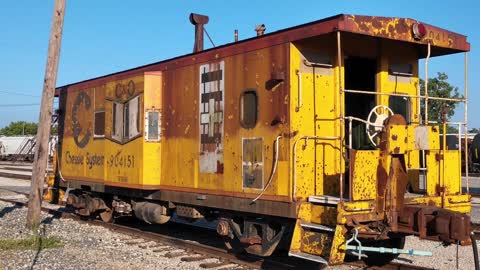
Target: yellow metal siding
152,151
180,148
316,161
364,176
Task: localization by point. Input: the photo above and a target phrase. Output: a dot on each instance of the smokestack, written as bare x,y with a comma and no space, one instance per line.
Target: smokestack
198,20
260,29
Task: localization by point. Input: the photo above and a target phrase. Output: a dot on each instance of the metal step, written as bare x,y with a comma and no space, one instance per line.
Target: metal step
324,199
306,256
317,227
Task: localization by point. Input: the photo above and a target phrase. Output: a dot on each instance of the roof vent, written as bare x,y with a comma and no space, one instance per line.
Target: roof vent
198,20
260,29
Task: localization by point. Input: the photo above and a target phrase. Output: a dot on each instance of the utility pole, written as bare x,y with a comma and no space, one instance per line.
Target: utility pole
43,133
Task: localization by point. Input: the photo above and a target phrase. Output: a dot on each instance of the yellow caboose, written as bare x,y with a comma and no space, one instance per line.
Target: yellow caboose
298,139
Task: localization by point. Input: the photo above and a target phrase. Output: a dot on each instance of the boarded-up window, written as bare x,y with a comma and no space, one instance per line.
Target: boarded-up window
125,119
400,73
152,126
132,115
252,161
248,109
117,125
99,129
400,105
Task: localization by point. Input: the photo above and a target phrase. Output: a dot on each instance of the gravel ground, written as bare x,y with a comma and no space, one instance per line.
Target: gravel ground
85,247
443,257
94,247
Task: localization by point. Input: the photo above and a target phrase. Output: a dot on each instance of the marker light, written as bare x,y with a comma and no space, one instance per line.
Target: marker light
419,31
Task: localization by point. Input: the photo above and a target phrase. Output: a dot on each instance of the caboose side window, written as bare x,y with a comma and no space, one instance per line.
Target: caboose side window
248,109
152,126
400,73
131,122
400,105
125,125
99,124
252,161
117,118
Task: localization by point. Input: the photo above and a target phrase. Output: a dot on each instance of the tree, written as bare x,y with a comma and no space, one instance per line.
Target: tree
440,87
451,129
474,130
19,128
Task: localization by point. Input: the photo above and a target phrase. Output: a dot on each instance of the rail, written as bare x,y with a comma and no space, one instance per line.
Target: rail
206,249
403,95
136,230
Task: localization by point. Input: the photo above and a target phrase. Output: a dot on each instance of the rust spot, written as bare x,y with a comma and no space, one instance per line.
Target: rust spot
391,30
402,27
439,189
381,179
252,240
363,27
219,167
396,150
376,24
394,137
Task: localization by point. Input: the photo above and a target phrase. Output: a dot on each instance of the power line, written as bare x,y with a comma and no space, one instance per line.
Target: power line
16,93
19,105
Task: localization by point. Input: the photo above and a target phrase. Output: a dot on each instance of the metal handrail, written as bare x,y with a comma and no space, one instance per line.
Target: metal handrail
403,95
294,171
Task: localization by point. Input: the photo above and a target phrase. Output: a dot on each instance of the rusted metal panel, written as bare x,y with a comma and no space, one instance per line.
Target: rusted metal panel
322,214
187,211
401,29
434,223
337,253
398,143
317,243
211,109
201,123
382,27
269,40
252,162
224,201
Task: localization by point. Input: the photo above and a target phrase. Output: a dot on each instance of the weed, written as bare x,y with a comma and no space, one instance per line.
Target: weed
32,243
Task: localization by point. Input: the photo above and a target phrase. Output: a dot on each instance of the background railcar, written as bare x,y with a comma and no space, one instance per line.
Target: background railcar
296,139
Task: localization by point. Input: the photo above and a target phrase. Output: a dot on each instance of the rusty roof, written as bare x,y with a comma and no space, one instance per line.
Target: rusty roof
442,41
401,29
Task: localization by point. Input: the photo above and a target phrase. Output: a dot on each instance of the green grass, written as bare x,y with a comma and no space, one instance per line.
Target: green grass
32,243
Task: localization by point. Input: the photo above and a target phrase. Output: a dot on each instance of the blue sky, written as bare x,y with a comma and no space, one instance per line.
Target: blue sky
101,37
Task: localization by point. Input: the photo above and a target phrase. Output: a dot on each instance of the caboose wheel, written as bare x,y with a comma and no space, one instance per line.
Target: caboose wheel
380,259
233,245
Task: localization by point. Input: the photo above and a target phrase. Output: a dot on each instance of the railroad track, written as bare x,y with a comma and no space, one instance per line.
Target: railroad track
183,241
163,240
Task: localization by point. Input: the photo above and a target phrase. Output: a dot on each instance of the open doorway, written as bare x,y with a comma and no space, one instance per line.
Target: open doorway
360,74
